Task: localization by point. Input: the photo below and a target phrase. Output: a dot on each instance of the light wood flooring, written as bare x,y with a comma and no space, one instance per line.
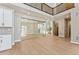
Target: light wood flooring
41,45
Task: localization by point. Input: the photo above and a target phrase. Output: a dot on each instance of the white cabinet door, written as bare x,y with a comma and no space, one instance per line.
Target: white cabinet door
8,17
5,42
1,16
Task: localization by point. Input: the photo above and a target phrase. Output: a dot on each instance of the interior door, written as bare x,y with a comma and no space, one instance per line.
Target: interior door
8,16
1,16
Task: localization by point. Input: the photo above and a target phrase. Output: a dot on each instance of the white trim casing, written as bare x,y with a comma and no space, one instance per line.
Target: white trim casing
74,42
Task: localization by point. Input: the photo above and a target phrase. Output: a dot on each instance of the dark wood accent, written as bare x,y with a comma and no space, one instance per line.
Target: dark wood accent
69,5
47,9
63,7
58,5
47,5
41,6
52,13
59,9
37,8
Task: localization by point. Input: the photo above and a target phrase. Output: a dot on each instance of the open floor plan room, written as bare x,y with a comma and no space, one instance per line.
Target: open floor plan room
39,28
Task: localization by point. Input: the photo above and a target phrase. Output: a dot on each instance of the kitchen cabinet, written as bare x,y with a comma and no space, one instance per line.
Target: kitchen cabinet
1,16
5,42
6,17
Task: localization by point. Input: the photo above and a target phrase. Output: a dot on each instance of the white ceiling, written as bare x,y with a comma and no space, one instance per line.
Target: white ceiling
53,4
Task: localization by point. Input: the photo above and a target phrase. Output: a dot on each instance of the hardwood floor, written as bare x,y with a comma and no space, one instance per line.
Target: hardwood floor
41,45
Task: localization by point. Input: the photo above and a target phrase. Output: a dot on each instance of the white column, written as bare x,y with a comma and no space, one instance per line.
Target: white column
75,26
17,28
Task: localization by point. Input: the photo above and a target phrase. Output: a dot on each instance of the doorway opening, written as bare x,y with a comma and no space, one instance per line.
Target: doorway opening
23,31
68,27
55,28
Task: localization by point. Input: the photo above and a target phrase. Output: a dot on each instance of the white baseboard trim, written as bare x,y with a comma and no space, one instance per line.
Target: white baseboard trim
74,42
17,40
13,43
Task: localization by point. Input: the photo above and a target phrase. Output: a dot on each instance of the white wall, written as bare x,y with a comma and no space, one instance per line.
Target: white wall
76,4
17,28
75,26
61,27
